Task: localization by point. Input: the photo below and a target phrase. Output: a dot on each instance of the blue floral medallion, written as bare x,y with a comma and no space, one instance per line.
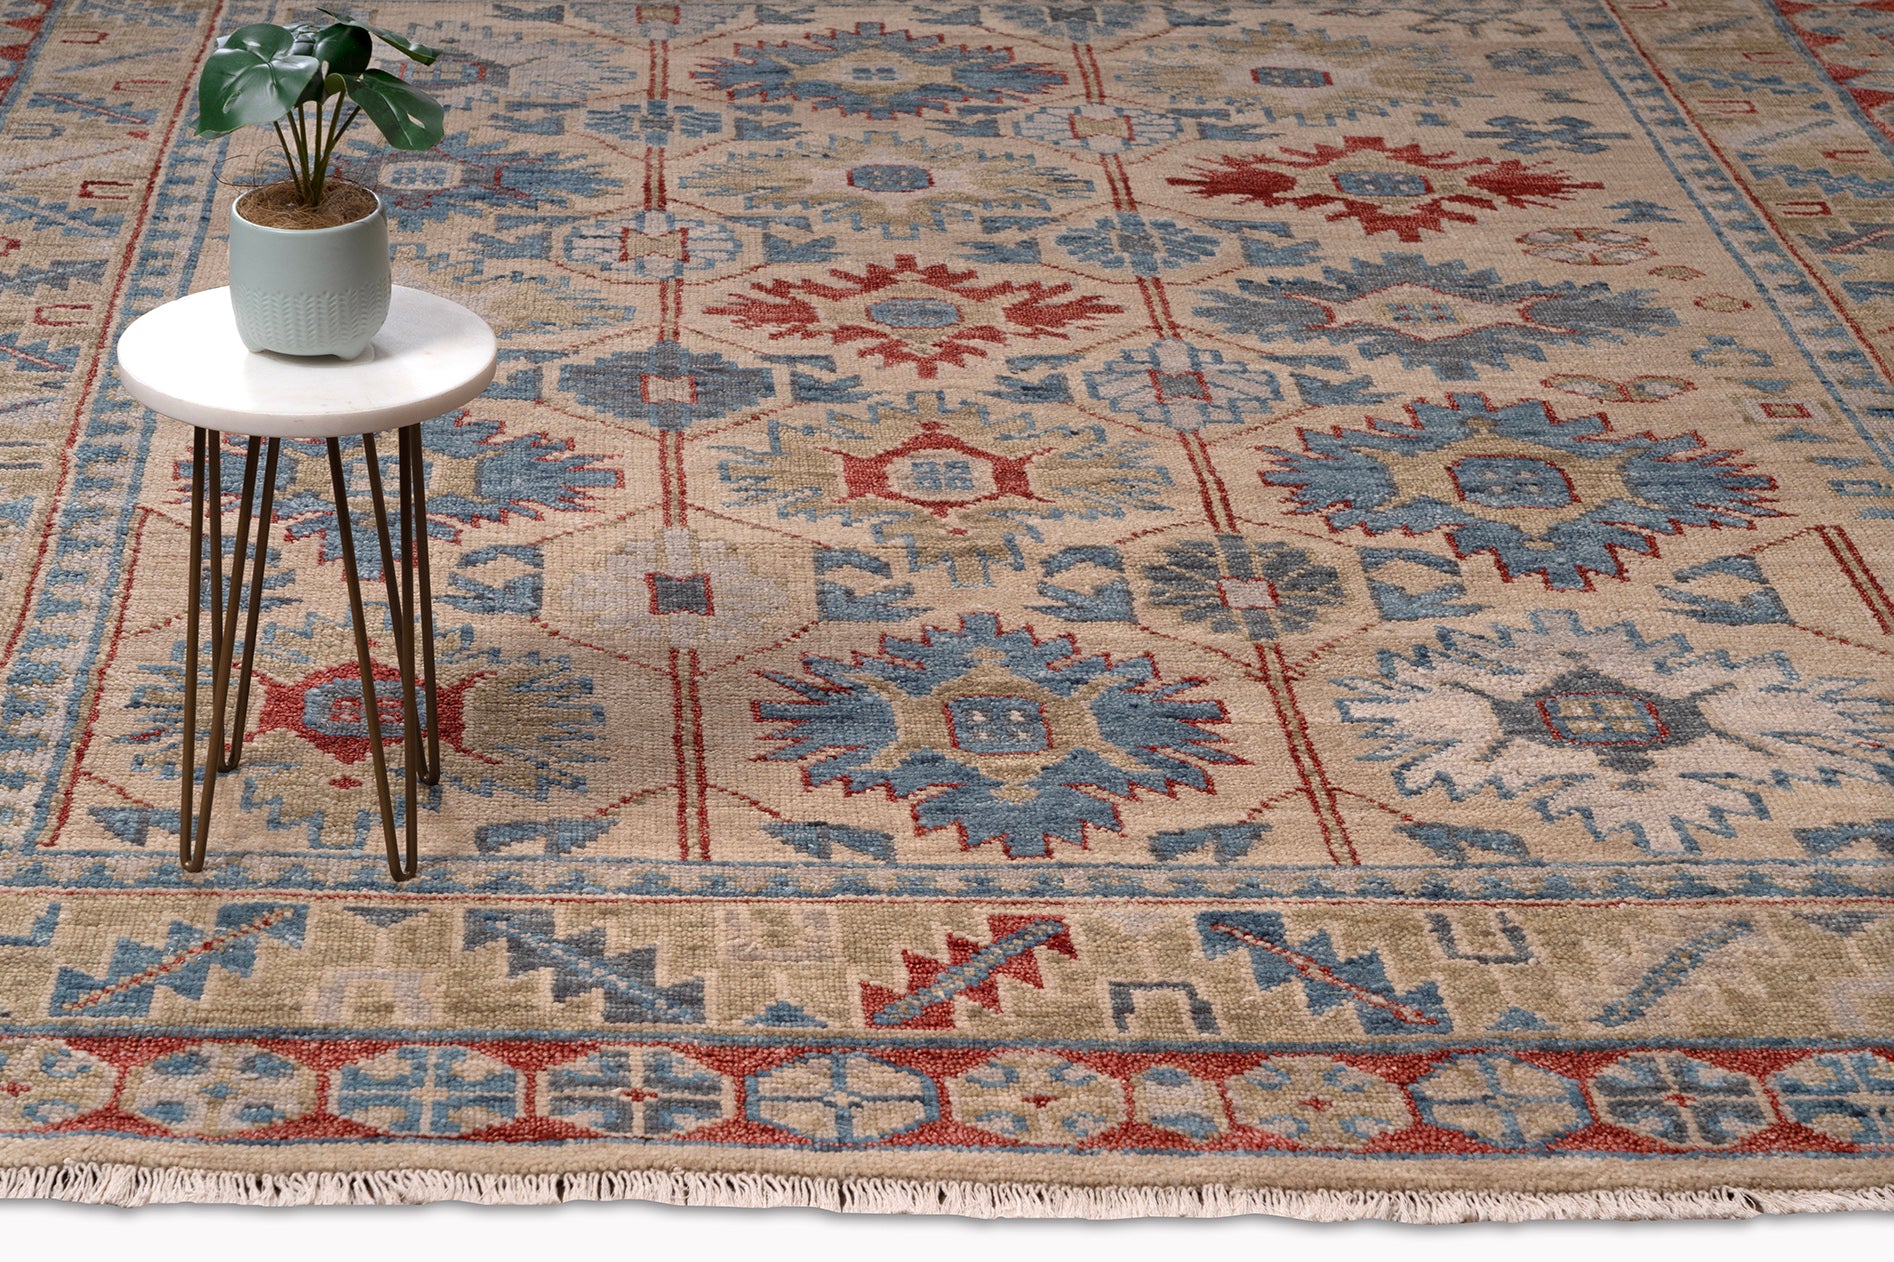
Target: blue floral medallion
1559,497
1440,316
877,73
996,734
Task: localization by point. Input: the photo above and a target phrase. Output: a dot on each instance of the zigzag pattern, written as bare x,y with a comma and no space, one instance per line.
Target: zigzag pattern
971,971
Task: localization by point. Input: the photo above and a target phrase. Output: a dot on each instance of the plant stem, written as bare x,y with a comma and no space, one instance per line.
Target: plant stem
335,137
326,150
294,176
342,130
318,163
314,135
296,127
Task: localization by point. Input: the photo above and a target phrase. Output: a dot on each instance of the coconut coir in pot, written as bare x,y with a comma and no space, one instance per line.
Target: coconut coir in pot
276,206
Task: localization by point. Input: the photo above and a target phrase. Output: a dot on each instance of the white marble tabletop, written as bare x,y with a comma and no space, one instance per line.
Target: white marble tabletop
185,360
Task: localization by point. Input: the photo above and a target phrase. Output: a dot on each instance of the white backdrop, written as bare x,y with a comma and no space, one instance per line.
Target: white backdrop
607,1233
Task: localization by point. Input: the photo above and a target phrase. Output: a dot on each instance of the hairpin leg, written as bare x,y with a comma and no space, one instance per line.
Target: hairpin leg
207,508
191,847
401,866
414,545
222,755
401,616
265,514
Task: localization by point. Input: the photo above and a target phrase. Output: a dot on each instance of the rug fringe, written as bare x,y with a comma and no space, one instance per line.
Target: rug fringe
115,1184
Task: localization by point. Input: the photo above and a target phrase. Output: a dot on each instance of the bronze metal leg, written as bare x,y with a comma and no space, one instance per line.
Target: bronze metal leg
207,491
207,506
265,512
191,850
207,511
414,544
400,867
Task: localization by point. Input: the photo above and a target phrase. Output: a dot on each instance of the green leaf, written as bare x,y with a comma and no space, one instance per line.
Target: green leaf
400,43
253,78
346,48
408,117
265,39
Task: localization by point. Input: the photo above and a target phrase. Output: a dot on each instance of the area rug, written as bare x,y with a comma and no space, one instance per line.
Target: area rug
1081,609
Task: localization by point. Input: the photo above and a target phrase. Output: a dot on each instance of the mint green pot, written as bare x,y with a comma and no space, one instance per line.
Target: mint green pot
309,291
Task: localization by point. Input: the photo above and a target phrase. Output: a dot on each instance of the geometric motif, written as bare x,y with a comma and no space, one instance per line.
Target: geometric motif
1501,1101
697,593
651,1094
223,1090
995,734
1257,590
1681,1100
1645,740
1098,129
876,72
881,181
924,316
486,476
1184,387
429,1091
1174,1100
961,486
1596,247
579,965
650,245
1438,316
667,386
465,177
1316,1101
1385,188
1134,244
1546,495
1846,1096
1328,981
971,972
1037,1098
44,1082
302,714
1274,71
847,1098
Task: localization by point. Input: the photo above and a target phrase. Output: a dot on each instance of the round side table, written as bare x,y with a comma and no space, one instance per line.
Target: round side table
185,361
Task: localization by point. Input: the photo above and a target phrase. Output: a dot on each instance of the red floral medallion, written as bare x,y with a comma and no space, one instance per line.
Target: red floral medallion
1383,187
915,315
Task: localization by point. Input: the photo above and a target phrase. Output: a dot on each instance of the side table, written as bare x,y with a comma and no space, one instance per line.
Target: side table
185,361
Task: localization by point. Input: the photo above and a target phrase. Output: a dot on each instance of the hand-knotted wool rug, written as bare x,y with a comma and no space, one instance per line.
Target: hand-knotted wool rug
1058,608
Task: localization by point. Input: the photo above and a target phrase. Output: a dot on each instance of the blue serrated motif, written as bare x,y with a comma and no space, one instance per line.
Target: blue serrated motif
579,965
1669,973
186,961
1328,981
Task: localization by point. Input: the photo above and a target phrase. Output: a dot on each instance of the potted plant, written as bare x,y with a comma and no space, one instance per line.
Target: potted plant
309,254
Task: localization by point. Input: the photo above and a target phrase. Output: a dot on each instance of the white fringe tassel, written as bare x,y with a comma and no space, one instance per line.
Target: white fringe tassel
112,1184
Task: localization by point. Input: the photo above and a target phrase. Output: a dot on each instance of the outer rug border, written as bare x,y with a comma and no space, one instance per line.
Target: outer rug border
108,1183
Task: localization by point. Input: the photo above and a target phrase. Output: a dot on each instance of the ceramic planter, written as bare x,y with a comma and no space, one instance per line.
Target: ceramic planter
309,291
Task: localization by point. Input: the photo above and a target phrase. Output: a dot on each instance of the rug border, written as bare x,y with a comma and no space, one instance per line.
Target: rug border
110,1183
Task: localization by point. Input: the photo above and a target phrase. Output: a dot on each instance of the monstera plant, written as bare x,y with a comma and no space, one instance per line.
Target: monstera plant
309,255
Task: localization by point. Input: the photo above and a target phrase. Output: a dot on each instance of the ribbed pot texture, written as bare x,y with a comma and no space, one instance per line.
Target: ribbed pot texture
309,291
